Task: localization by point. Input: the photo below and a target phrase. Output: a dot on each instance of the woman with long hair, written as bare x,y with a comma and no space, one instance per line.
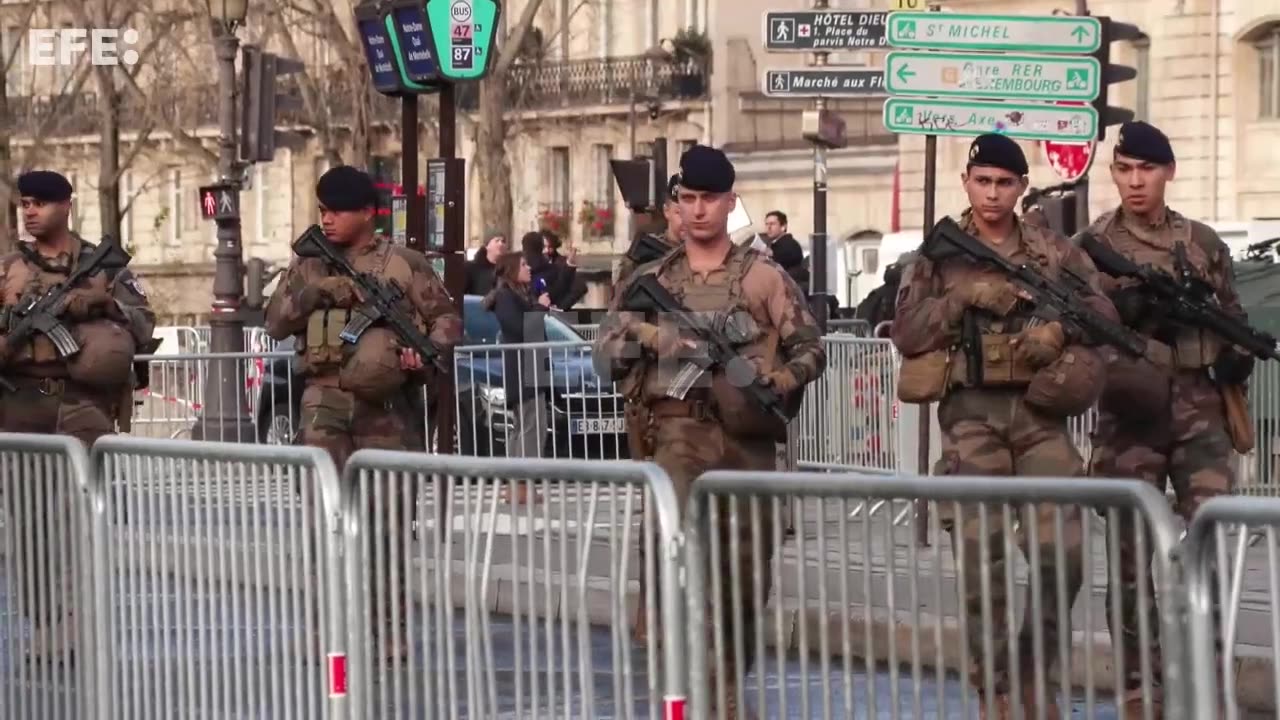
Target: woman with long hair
520,319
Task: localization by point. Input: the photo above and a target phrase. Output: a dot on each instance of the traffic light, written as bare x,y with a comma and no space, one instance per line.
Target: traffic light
1111,32
259,101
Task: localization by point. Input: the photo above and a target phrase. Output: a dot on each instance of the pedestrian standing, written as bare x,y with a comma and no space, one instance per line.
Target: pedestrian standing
522,318
715,426
480,268
1008,419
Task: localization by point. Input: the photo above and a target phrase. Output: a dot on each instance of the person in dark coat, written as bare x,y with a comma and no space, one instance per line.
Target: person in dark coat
521,318
480,267
556,280
784,248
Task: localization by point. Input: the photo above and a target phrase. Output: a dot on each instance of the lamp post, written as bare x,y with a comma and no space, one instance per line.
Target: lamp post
224,416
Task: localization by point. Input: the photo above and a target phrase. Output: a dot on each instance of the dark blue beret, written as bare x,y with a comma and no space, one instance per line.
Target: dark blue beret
673,186
707,169
998,151
346,189
1144,142
44,185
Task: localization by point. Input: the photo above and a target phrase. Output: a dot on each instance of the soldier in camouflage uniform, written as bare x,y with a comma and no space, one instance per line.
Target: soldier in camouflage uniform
1160,417
670,235
357,396
715,426
1006,424
82,396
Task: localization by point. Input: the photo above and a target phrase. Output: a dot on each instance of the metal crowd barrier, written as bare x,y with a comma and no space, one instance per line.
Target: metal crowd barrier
217,580
1232,574
588,332
46,618
175,398
510,587
856,597
849,416
859,328
563,408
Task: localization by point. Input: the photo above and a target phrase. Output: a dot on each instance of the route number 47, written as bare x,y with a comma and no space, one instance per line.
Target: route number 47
465,32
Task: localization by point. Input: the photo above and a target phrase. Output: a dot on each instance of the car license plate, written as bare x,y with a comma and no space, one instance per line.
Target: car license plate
597,426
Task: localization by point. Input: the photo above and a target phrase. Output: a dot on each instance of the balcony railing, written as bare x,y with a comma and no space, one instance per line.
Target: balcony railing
601,81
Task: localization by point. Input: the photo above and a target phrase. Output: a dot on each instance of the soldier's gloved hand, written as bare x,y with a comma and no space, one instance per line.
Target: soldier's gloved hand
1039,345
1132,304
87,303
998,297
782,381
661,340
1233,367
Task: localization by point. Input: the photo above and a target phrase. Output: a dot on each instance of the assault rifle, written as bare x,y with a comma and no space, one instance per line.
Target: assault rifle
1185,300
379,302
646,248
647,295
1052,300
39,313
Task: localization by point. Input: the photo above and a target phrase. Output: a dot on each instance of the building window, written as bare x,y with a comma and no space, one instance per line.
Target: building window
558,178
262,200
1269,74
870,261
604,175
1142,63
15,71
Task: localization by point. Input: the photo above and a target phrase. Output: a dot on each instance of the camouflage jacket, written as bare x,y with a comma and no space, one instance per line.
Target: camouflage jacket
428,299
928,314
21,273
788,335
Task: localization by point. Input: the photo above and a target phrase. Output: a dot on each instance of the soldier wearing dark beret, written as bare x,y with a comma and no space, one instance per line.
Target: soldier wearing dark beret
362,394
1161,418
715,425
84,395
1011,418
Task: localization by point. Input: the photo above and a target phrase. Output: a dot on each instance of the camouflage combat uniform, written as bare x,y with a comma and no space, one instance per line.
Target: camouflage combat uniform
49,400
714,428
635,413
990,430
333,416
1185,440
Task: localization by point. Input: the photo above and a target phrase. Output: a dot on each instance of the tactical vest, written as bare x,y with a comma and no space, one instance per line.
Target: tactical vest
1193,348
725,305
32,277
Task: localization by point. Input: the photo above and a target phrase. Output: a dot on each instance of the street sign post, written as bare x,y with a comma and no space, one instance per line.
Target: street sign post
378,49
1016,33
406,23
823,82
1024,121
823,30
462,35
1016,77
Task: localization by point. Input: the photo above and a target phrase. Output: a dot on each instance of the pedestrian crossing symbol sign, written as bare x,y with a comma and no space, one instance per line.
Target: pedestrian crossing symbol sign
782,30
779,81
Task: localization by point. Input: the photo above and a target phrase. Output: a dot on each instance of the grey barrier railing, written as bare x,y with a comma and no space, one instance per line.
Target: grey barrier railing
47,618
218,580
1233,592
550,565
857,608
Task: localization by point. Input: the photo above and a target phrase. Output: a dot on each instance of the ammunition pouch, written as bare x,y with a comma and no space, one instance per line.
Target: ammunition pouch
1135,388
740,417
106,354
372,371
1070,385
924,378
989,361
323,347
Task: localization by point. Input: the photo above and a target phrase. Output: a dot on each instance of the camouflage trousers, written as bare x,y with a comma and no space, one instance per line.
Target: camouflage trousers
340,423
686,448
44,513
988,432
1189,447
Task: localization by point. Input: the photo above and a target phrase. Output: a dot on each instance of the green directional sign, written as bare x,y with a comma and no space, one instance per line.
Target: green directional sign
462,34
1017,77
1017,33
1024,121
